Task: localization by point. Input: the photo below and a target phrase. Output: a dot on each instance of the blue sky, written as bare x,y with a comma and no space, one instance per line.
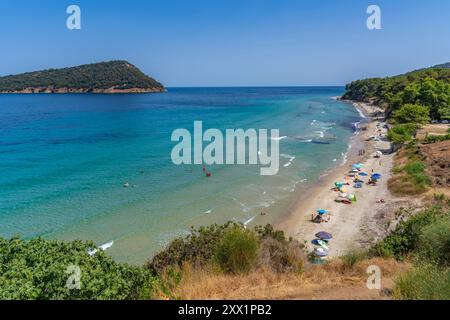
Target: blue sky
229,42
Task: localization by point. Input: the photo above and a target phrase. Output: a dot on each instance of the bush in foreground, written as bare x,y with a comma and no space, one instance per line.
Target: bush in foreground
198,248
222,244
42,269
424,282
237,251
405,238
352,257
434,242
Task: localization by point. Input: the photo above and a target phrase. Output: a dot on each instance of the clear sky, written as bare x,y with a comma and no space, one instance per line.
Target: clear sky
229,42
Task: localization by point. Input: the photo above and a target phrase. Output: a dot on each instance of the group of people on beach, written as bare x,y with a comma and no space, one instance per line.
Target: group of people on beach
357,174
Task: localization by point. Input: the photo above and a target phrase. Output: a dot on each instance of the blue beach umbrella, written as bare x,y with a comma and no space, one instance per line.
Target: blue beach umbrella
324,235
363,174
376,176
319,242
322,211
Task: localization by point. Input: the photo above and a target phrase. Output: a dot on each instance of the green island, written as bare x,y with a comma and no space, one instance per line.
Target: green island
103,77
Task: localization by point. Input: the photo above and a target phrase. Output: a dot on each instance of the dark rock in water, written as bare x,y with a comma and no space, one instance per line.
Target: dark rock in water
321,141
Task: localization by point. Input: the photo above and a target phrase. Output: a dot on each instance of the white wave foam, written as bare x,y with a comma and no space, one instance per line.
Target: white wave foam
320,133
248,221
361,114
279,138
103,247
345,155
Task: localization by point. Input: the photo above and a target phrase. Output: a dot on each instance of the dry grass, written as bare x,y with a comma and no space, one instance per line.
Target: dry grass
334,280
432,129
401,184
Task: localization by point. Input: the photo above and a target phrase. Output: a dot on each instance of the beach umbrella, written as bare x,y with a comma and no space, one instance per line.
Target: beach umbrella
323,244
357,166
358,185
376,176
324,235
322,211
321,252
319,242
363,174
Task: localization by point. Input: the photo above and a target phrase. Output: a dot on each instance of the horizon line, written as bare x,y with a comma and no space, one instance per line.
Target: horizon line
256,86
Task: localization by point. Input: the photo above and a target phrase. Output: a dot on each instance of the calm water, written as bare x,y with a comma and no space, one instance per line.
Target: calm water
64,160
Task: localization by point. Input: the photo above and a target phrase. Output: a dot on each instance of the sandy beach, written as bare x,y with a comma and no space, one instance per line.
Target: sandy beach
364,221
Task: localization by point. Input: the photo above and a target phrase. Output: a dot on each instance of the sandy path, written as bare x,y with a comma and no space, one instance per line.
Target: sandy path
351,225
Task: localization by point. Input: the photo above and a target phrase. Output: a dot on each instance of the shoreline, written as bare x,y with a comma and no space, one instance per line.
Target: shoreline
353,226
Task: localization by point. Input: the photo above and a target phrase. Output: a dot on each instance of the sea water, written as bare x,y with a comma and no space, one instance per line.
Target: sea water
64,160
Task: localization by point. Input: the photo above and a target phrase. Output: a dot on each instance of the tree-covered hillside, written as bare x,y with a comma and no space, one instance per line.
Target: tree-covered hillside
444,65
113,76
427,87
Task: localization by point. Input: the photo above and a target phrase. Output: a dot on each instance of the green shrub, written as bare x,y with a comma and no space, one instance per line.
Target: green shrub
402,133
352,257
411,113
424,282
435,138
268,231
410,178
237,251
434,244
40,269
280,256
198,248
405,237
416,170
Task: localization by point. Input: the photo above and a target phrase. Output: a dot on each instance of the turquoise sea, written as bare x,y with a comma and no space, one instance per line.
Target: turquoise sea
65,158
